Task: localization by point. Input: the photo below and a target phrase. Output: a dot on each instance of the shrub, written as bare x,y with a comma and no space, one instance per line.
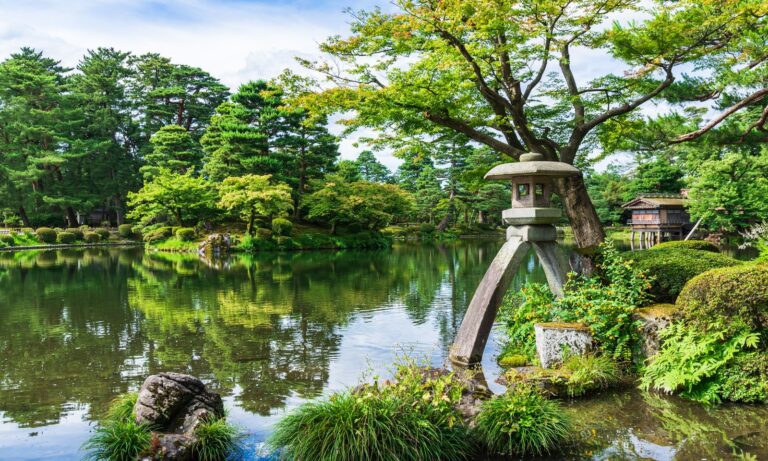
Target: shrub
519,312
701,245
589,372
103,234
6,240
727,296
185,234
263,234
125,230
66,237
216,440
395,231
673,267
157,234
427,228
91,237
521,422
119,438
27,230
106,224
46,234
77,232
284,243
85,228
282,226
252,244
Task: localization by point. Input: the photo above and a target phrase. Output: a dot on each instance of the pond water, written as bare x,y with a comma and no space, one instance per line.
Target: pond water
270,331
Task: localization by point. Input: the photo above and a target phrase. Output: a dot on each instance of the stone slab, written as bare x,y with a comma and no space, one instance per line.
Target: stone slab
523,216
545,233
553,338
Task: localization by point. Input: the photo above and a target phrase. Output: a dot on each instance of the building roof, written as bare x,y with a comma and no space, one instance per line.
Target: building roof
640,203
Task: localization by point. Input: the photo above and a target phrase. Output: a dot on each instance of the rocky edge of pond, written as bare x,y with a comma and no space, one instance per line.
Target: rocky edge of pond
174,404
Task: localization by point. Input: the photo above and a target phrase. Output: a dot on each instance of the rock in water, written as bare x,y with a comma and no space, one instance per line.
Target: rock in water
174,404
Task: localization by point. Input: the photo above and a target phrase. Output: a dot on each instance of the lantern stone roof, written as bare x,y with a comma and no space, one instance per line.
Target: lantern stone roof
532,168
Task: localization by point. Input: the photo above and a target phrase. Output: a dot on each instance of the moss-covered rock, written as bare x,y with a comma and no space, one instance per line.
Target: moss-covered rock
652,320
728,296
672,268
702,245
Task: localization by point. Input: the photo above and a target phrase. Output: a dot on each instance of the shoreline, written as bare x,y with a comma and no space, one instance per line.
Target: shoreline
71,245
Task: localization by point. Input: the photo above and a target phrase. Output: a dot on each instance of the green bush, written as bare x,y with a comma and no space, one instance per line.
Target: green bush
671,268
412,419
701,245
91,237
282,226
521,422
77,232
125,230
395,231
155,235
520,311
586,373
427,228
106,224
726,297
103,233
185,234
119,438
66,238
46,234
284,243
216,440
27,230
263,234
6,240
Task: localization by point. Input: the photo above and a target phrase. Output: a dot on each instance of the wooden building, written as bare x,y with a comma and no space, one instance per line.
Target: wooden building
657,218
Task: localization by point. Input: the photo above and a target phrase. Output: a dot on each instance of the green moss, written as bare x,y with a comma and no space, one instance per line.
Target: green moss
658,310
701,245
563,326
511,360
671,268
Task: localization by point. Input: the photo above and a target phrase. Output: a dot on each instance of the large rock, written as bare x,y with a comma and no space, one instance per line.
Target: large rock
552,339
176,403
652,320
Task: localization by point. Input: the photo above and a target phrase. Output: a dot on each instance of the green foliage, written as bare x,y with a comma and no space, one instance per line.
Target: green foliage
119,437
520,312
282,226
701,245
427,228
673,267
157,234
76,232
693,362
46,234
173,149
589,372
91,237
512,360
104,234
659,176
7,240
263,234
121,409
521,422
66,237
183,198
371,169
185,234
412,419
253,195
216,440
125,230
727,296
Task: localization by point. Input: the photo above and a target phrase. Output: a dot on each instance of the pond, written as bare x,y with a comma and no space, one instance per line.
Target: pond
270,331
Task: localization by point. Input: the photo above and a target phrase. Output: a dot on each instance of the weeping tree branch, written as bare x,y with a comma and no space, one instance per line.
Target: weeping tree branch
751,99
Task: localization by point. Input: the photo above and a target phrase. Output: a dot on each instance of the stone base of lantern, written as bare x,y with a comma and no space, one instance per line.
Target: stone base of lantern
554,339
526,216
545,233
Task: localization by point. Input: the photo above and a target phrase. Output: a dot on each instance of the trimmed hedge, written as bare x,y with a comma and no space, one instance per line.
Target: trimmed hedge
91,237
185,234
77,233
158,234
46,234
125,230
673,267
730,296
6,240
427,228
66,237
103,233
702,245
282,227
263,234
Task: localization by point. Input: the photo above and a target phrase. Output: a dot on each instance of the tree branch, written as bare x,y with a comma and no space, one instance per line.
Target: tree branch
754,97
473,133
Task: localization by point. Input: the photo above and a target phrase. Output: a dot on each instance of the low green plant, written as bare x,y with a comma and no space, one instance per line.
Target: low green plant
512,360
216,440
672,268
121,408
46,234
125,230
7,240
282,227
119,437
519,312
427,228
185,234
263,233
103,233
77,232
521,422
692,362
91,237
157,234
66,237
27,230
588,373
701,245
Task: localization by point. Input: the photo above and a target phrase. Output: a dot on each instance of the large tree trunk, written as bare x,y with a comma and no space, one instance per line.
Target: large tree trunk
71,217
587,229
119,210
24,217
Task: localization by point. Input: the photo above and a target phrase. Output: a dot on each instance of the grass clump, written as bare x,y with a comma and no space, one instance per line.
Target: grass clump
521,422
588,373
216,440
119,438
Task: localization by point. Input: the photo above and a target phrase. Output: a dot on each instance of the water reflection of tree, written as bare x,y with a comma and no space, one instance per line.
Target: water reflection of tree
79,327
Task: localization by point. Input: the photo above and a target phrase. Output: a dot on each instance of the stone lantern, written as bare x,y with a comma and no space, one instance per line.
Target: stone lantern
530,222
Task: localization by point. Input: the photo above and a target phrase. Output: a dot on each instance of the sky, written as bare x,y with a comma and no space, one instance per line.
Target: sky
234,40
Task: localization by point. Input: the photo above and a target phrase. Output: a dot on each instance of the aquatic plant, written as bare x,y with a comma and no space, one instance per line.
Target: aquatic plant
589,372
216,440
521,422
118,440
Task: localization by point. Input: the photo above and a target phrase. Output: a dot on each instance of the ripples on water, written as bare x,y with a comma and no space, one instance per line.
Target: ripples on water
78,328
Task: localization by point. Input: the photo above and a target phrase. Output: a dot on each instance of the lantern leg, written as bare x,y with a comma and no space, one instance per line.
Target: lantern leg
555,265
477,323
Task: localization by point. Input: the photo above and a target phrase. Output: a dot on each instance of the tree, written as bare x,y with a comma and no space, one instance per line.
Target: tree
183,198
428,194
659,176
484,69
371,169
253,195
731,193
359,204
173,149
608,191
348,171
